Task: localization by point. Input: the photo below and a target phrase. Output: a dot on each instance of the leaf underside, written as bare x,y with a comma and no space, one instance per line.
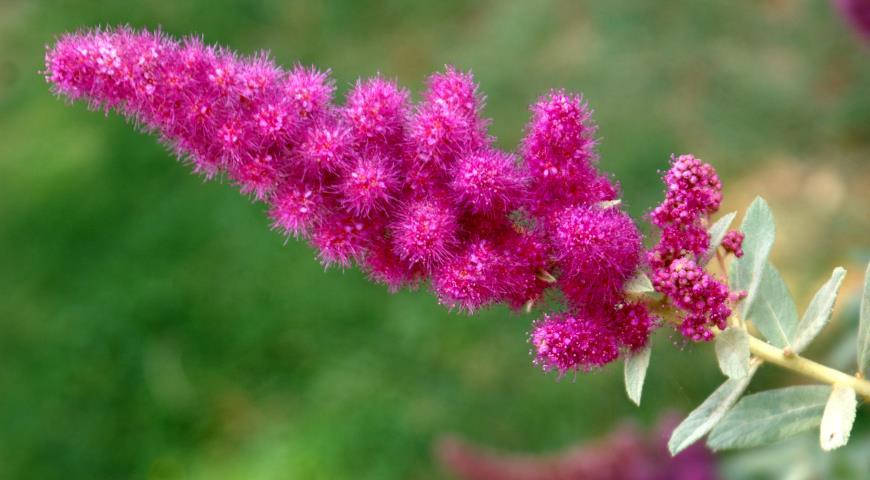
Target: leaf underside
732,352
818,312
708,414
767,417
636,365
746,272
773,312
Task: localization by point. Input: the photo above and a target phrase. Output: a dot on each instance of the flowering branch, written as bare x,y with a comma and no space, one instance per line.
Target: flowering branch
416,193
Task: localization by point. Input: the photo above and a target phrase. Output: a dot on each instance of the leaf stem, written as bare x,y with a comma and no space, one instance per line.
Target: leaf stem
786,359
806,367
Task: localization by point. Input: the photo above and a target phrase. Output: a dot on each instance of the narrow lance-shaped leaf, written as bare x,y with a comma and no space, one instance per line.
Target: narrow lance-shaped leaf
818,313
717,232
838,418
732,352
746,272
864,327
636,364
774,312
766,417
708,414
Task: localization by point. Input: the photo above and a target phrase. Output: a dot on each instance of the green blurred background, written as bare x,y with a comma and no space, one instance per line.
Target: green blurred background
152,326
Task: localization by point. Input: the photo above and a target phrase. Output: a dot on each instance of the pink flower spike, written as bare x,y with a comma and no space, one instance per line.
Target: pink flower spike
488,181
857,14
257,175
470,280
425,232
560,138
633,325
447,122
369,184
326,148
340,239
597,249
568,343
383,265
376,111
309,91
295,208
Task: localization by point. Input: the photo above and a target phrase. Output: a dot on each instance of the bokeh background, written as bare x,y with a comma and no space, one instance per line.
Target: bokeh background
153,327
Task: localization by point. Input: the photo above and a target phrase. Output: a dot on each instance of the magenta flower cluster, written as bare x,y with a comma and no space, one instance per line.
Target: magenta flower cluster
416,192
693,194
857,14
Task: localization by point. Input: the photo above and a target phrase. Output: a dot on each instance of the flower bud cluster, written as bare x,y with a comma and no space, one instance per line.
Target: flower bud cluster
733,243
407,192
693,193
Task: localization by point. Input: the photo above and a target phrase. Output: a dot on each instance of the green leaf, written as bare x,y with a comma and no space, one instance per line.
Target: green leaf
639,284
864,327
708,414
732,352
774,312
636,364
717,233
838,418
766,417
818,313
746,272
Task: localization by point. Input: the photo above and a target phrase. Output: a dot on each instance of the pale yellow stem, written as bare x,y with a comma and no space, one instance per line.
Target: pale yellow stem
783,358
806,367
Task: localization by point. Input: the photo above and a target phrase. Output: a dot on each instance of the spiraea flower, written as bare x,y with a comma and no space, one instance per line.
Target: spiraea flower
308,90
488,181
447,121
368,183
733,243
565,343
425,232
698,294
408,192
296,207
471,280
326,147
857,14
559,150
377,112
693,193
632,323
598,249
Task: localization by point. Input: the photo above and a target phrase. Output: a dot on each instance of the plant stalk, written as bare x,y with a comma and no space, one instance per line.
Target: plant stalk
782,358
806,367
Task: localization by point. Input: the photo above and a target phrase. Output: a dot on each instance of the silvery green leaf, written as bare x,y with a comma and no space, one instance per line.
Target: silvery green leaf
746,272
774,312
708,414
639,284
732,352
838,418
636,364
797,458
818,313
766,417
864,327
717,232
